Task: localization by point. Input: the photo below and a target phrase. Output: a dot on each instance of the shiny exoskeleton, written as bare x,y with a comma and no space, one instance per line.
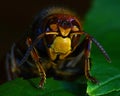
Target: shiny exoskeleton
56,46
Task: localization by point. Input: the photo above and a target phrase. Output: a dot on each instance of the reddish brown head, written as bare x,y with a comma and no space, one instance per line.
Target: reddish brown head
63,32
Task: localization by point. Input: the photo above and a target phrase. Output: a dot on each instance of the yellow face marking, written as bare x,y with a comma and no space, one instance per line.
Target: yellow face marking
75,28
61,45
52,54
65,32
53,27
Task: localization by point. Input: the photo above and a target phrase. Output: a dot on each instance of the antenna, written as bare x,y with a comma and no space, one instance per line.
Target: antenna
25,57
101,49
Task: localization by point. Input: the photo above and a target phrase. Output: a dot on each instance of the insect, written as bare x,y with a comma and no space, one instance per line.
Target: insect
56,46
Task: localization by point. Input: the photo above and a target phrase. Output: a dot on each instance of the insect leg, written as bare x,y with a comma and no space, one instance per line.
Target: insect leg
12,69
36,58
87,60
25,57
7,67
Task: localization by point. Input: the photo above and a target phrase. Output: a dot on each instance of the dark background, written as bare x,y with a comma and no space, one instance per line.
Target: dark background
16,17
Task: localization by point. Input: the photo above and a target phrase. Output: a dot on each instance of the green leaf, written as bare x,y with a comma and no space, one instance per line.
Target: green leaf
108,77
104,24
20,87
114,93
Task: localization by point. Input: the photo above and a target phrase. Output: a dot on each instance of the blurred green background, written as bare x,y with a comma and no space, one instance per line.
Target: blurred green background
102,21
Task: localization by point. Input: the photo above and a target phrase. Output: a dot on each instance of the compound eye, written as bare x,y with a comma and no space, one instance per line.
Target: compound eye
75,28
54,27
